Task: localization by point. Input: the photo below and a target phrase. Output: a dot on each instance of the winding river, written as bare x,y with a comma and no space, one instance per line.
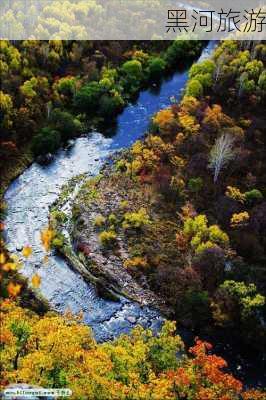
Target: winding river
30,195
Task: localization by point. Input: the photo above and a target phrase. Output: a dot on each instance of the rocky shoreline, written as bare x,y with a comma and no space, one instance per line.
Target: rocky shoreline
73,221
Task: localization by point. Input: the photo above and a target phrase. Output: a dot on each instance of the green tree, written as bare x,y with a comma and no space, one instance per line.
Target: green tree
46,141
205,67
195,184
194,88
66,85
262,82
133,70
109,106
87,98
238,307
254,68
6,110
156,68
65,123
181,50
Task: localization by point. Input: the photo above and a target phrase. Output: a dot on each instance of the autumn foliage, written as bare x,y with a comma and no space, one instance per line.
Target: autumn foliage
58,351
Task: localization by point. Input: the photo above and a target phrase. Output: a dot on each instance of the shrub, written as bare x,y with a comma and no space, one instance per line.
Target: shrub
136,220
204,246
47,141
205,80
164,118
217,236
107,238
59,216
188,123
141,56
196,307
203,73
194,225
203,237
121,165
239,219
123,204
132,76
262,82
136,262
99,221
235,194
181,241
195,184
190,105
237,302
58,241
210,265
253,195
112,219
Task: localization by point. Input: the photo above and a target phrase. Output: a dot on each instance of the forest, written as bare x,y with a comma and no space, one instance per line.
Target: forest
175,221
52,91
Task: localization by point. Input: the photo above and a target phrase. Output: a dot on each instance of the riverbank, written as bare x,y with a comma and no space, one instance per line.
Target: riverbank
91,206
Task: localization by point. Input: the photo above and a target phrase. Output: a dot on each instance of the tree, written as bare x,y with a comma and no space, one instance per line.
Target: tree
246,85
201,237
194,88
46,141
262,82
254,68
221,154
28,89
110,106
203,72
205,67
237,303
133,69
87,98
59,351
6,109
181,50
156,67
195,184
66,85
65,123
133,75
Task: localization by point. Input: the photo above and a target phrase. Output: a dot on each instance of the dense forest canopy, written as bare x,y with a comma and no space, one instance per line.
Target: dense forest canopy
80,19
52,91
130,20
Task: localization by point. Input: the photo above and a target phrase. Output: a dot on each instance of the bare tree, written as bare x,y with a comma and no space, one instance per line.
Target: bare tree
221,154
49,109
219,66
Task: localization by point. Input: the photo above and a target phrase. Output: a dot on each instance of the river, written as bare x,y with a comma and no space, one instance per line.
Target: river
30,195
